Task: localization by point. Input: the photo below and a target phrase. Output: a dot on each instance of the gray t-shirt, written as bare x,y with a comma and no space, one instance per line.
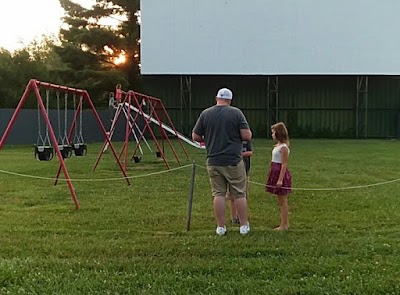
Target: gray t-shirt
220,126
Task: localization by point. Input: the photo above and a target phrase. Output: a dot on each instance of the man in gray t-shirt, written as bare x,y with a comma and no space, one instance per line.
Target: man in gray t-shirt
223,128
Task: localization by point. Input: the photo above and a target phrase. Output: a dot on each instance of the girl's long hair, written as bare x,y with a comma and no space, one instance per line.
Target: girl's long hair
281,133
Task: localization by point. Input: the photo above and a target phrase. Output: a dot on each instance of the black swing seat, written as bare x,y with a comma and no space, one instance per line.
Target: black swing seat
80,149
44,153
137,159
66,151
158,154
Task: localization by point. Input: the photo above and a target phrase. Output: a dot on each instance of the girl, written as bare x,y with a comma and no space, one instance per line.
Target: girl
279,180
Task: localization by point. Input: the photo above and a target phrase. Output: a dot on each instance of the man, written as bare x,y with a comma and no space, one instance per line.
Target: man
223,128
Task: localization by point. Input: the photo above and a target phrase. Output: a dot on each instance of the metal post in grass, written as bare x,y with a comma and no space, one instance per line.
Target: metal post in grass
190,196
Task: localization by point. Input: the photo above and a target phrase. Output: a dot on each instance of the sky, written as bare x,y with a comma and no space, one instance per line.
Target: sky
22,21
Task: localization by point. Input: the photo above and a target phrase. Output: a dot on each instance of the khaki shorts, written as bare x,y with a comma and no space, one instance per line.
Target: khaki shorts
224,178
228,194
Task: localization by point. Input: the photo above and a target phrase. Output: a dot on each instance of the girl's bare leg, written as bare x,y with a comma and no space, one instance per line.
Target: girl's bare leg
283,204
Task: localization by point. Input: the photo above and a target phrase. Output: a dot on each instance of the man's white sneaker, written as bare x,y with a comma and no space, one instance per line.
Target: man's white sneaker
221,230
244,229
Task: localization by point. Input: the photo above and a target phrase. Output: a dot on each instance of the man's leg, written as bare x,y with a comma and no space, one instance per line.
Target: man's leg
237,179
241,207
219,210
219,190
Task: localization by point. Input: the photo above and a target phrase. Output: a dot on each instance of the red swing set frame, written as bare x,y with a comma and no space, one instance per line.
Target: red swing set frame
35,85
134,101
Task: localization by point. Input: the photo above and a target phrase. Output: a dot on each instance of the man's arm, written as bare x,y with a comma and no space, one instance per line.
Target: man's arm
245,134
197,137
198,129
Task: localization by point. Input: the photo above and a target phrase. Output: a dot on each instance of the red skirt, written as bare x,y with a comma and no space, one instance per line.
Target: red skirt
273,176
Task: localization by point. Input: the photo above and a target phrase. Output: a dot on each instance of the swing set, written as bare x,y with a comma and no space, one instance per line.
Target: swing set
133,105
66,142
118,107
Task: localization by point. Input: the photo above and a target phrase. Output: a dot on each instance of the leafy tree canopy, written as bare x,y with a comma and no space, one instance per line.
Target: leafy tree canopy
36,61
91,48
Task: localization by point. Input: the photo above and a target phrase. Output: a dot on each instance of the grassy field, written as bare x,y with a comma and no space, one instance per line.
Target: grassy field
133,239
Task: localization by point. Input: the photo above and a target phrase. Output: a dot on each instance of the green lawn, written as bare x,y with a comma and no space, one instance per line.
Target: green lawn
133,239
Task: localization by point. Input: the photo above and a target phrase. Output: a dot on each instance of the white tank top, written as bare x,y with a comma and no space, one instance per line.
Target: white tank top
277,154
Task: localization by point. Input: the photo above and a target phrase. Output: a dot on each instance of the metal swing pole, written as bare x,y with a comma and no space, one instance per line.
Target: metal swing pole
54,140
33,85
147,126
96,115
173,128
164,134
127,131
112,128
190,196
110,135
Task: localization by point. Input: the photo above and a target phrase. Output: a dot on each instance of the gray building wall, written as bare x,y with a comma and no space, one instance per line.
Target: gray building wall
311,106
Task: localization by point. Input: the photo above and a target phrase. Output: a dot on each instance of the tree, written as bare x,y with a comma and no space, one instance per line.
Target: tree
7,73
35,61
90,48
130,29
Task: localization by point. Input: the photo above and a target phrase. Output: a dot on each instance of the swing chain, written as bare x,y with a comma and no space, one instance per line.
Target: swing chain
60,138
75,129
47,112
65,117
39,127
80,119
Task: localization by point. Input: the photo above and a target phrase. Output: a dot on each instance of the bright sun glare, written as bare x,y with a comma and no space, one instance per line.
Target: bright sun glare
120,59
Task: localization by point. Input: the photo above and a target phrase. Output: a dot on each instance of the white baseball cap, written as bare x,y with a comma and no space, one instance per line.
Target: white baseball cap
224,93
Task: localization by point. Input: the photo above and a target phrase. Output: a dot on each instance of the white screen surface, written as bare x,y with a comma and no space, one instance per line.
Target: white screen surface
270,37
